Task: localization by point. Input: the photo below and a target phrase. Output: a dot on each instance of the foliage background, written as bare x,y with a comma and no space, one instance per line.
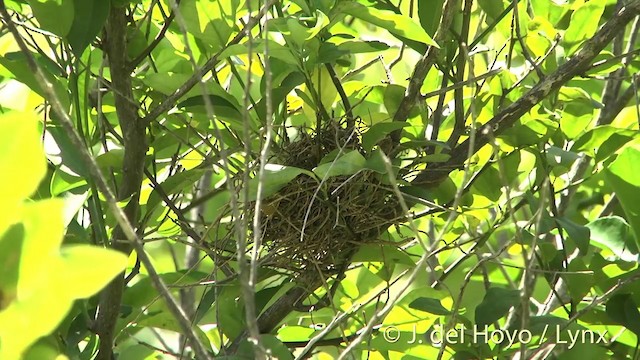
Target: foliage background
507,131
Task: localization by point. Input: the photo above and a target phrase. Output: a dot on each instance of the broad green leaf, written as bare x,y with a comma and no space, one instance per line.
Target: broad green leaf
540,324
579,279
279,94
11,243
376,163
379,253
207,21
46,288
100,266
275,50
222,107
604,64
270,342
493,8
623,177
602,141
378,132
528,132
584,23
357,47
22,157
62,182
58,24
495,305
347,164
174,185
16,63
393,95
577,233
165,320
275,178
396,24
295,333
88,20
430,305
143,292
299,32
68,155
622,309
39,281
429,13
613,233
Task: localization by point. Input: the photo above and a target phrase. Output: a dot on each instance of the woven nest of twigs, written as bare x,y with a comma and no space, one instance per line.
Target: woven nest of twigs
317,224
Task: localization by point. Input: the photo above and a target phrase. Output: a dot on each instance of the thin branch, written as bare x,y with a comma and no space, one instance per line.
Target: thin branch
422,68
200,72
507,117
94,170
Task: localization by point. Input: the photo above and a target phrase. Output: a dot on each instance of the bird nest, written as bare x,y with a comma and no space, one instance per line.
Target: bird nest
316,223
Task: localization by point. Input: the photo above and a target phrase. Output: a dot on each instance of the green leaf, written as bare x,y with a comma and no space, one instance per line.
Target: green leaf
207,21
381,253
10,248
88,20
493,8
69,155
379,131
602,141
275,178
393,95
48,281
429,13
577,233
347,164
16,63
396,24
298,32
430,305
22,156
622,309
279,94
358,47
613,233
39,282
528,132
584,23
100,266
275,50
496,304
579,279
604,64
58,24
623,177
275,347
174,185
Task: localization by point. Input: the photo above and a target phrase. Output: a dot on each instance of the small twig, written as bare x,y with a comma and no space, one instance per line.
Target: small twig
509,115
200,72
422,68
94,169
343,96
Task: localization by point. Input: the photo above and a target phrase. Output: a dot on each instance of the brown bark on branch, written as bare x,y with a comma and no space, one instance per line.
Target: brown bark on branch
436,172
200,72
577,65
126,228
135,148
412,95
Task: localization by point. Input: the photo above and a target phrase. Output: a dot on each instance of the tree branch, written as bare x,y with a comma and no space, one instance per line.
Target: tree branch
200,72
135,148
120,216
412,95
577,65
